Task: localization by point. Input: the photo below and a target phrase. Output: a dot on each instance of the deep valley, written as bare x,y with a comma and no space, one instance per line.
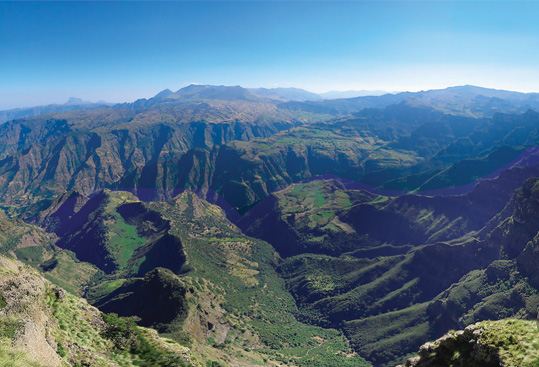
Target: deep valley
225,226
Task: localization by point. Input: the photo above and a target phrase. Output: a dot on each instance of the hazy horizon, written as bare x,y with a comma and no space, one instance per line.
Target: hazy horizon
65,100
123,51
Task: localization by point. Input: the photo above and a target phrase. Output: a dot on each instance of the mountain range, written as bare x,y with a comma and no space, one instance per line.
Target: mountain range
470,100
270,227
72,104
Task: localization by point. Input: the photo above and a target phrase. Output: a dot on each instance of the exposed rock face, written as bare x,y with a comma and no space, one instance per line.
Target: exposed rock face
507,342
131,146
467,343
243,148
23,295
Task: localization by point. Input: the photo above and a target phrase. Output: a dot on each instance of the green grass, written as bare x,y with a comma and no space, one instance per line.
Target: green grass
75,321
15,357
8,327
225,239
518,341
307,345
122,341
514,342
319,199
103,289
69,273
384,337
379,199
126,336
243,272
31,255
123,240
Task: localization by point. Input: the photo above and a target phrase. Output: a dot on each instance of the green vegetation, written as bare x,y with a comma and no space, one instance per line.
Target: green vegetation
123,240
356,275
44,322
101,290
517,341
240,277
8,327
507,342
29,243
120,339
378,199
65,270
75,321
308,217
126,336
469,170
15,357
31,255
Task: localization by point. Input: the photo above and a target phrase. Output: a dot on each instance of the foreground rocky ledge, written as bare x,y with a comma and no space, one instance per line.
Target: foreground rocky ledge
508,342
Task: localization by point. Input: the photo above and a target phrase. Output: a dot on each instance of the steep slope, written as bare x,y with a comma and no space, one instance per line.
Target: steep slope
204,283
489,343
484,149
26,242
113,231
325,216
388,302
305,217
126,145
244,148
245,172
237,302
32,245
42,325
387,272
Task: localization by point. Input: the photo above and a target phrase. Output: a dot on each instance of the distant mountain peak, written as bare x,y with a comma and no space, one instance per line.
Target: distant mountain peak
531,113
289,94
163,94
76,101
214,92
335,94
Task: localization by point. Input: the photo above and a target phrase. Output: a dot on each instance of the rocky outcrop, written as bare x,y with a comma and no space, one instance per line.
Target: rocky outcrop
23,294
465,346
508,342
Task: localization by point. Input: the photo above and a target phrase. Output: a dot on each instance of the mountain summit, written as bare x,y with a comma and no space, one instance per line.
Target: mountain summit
214,92
76,101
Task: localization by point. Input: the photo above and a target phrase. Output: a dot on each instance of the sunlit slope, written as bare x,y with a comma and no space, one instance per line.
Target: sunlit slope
43,325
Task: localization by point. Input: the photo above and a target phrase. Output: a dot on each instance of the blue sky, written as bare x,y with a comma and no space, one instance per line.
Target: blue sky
121,51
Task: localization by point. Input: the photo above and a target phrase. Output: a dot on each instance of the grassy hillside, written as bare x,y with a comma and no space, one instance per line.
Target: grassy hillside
237,274
346,277
43,325
244,149
489,343
396,286
205,283
306,217
219,290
